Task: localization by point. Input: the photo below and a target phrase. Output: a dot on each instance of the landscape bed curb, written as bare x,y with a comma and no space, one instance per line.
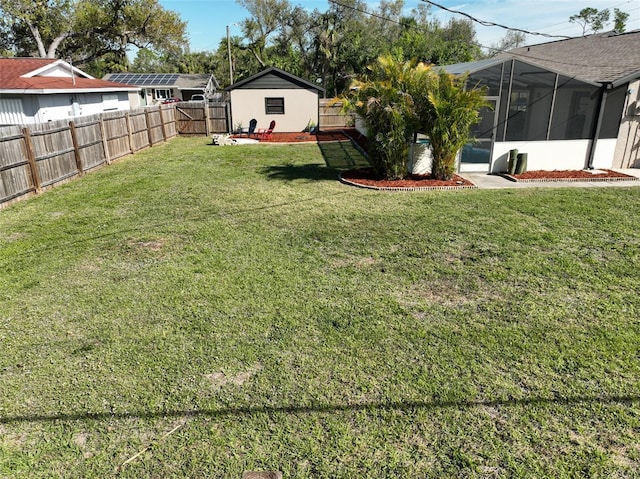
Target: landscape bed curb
406,188
544,180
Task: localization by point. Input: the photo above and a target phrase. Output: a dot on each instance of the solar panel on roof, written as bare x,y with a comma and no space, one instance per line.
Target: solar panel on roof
144,79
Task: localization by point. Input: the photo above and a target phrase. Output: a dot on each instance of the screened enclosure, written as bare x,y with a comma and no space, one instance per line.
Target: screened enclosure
533,109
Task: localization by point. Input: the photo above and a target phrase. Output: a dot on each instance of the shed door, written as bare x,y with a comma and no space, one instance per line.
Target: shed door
476,156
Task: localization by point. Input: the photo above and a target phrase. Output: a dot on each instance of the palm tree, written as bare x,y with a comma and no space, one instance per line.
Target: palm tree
383,101
397,99
447,115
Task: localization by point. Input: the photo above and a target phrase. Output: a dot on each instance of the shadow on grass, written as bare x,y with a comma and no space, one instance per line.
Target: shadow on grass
342,155
337,155
325,408
311,172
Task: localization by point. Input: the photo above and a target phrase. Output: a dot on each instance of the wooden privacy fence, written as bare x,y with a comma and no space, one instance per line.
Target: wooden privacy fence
42,155
332,117
200,118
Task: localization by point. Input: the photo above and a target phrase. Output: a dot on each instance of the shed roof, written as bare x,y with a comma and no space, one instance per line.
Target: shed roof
274,78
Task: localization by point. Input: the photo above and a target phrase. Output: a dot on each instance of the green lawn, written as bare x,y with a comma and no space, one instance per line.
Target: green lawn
200,311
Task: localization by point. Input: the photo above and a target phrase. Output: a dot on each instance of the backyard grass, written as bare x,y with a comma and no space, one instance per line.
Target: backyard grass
201,311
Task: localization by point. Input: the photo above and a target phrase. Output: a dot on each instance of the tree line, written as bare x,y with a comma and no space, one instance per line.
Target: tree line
328,47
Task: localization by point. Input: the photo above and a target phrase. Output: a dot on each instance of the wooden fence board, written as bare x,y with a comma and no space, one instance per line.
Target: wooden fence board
154,120
139,135
332,117
90,142
53,152
15,174
117,134
169,120
218,117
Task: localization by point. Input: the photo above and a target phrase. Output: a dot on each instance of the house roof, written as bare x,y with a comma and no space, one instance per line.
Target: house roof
181,81
274,78
601,58
48,75
195,81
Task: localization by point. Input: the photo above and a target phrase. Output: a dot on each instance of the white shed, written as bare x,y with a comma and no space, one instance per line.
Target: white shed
273,94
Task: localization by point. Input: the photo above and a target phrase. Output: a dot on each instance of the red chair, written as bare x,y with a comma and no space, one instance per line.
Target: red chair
265,133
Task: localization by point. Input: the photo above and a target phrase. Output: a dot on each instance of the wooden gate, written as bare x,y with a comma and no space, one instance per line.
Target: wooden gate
200,118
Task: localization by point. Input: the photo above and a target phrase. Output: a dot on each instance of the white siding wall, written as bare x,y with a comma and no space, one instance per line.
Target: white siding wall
66,106
300,107
57,71
12,112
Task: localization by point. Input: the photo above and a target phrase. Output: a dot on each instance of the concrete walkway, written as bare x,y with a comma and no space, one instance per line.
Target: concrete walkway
486,181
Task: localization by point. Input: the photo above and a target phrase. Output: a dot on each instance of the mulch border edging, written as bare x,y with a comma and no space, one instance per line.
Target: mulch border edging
544,180
407,188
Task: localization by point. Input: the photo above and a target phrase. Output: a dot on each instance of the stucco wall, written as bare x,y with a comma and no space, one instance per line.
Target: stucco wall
627,151
543,155
554,155
300,107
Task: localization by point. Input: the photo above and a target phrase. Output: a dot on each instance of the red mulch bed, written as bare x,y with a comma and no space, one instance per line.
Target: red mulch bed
576,175
302,137
365,177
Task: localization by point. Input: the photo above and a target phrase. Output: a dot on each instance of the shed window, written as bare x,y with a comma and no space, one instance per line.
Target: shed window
274,106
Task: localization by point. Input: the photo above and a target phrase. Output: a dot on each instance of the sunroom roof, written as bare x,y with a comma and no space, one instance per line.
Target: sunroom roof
472,67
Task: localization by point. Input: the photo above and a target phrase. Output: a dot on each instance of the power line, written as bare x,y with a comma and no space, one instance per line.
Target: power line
491,24
365,12
486,23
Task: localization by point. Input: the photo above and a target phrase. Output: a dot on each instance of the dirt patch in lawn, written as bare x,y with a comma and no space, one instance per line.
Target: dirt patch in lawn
570,175
219,379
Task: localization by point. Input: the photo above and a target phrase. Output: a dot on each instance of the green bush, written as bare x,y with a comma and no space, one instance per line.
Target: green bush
397,99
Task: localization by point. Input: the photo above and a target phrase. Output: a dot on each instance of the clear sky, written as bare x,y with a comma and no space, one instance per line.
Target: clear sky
207,19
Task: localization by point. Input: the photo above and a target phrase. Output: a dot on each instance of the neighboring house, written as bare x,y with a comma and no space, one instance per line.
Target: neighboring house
37,90
274,94
569,104
158,87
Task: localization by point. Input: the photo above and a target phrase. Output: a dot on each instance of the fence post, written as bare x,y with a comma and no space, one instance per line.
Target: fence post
76,147
103,135
149,135
129,130
207,128
31,157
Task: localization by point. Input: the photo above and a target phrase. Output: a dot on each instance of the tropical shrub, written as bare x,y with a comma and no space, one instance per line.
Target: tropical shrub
447,117
382,100
397,99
